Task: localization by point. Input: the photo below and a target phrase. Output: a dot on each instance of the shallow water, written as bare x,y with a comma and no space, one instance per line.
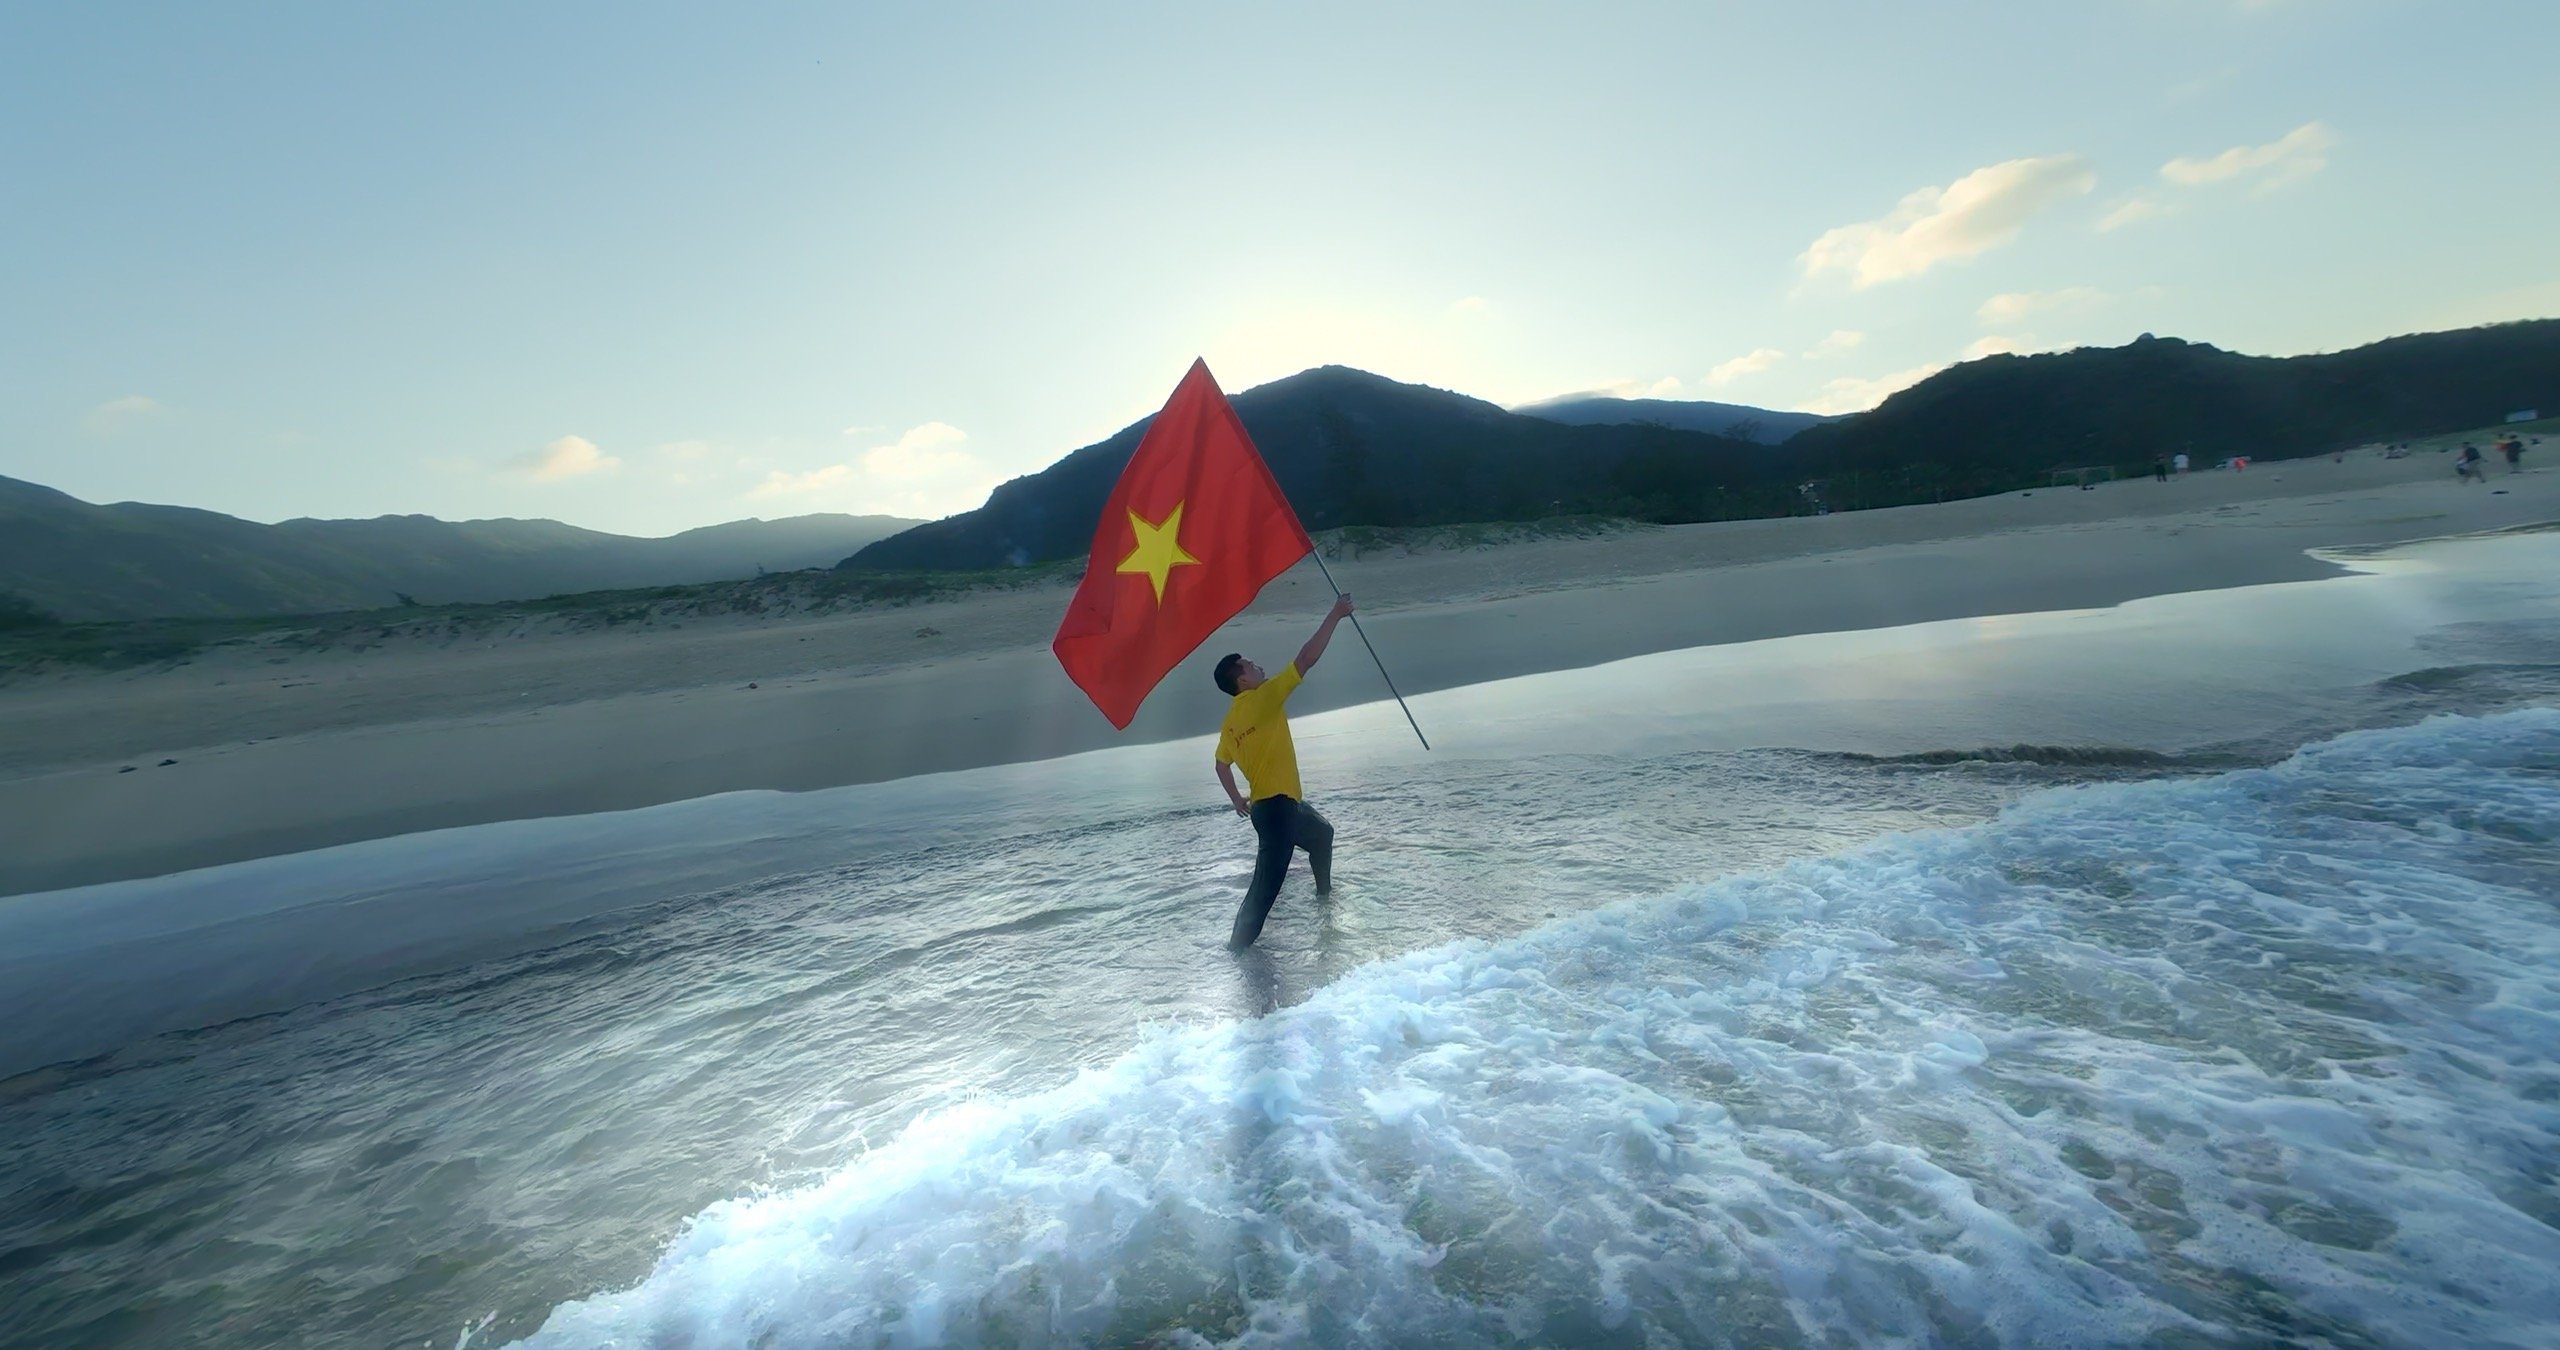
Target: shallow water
2210,1042
2260,1055
521,1131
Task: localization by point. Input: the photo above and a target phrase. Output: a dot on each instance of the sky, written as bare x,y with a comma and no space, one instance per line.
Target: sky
643,268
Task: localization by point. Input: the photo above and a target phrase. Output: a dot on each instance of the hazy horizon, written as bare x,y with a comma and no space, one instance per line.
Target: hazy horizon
748,519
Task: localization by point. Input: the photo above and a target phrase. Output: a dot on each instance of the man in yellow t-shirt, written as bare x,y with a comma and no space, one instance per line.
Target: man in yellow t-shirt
1255,738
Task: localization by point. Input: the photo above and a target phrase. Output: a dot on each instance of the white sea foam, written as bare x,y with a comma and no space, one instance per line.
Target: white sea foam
2260,1054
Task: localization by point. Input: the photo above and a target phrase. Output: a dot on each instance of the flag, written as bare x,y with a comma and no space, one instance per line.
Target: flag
1189,536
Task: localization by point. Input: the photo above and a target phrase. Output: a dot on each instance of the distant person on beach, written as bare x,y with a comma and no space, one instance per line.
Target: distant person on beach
2159,468
2178,462
2513,449
2467,469
1255,738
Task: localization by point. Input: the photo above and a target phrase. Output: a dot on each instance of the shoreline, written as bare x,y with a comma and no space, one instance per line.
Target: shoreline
335,748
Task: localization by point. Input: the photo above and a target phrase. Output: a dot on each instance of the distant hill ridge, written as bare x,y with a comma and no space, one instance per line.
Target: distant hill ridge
81,561
1351,448
1742,422
2007,421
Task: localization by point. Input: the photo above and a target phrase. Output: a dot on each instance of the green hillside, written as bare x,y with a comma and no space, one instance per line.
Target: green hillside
81,561
1351,448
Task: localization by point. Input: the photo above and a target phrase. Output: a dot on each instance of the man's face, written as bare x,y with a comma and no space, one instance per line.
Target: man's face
1248,675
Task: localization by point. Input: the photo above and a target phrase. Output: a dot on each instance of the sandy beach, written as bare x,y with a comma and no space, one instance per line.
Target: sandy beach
283,753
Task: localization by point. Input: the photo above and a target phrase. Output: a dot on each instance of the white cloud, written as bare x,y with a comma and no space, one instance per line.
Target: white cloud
2011,306
1751,363
921,473
567,457
2134,209
861,431
1850,394
122,414
1841,342
1666,387
1976,213
2299,154
1997,344
920,453
2296,155
1470,307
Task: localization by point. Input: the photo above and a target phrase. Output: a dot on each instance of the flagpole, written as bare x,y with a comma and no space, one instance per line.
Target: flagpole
1318,555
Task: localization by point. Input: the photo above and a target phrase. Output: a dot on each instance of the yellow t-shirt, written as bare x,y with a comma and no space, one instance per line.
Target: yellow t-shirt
1255,738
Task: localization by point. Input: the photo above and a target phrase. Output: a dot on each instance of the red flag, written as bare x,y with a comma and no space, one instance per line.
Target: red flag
1191,533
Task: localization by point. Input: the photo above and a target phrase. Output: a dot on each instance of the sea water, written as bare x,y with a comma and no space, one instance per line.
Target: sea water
2165,1027
2264,1054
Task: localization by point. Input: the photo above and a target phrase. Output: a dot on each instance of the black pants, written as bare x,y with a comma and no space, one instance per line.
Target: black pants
1283,823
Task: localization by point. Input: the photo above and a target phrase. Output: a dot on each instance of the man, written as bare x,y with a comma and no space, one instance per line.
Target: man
1255,738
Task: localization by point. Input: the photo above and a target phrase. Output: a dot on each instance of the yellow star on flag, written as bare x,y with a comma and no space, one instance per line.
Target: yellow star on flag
1159,549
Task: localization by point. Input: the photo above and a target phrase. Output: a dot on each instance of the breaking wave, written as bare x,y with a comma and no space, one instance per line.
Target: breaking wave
2067,757
2260,1055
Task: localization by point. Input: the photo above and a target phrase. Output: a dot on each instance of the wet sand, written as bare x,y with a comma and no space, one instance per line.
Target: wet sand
281,753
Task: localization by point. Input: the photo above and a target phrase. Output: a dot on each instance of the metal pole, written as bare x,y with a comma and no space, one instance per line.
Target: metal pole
1318,555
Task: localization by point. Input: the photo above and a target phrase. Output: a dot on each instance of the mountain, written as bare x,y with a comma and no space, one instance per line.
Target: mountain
1739,421
1351,448
2007,422
81,561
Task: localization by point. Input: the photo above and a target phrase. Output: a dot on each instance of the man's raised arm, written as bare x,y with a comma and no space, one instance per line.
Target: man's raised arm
1314,650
